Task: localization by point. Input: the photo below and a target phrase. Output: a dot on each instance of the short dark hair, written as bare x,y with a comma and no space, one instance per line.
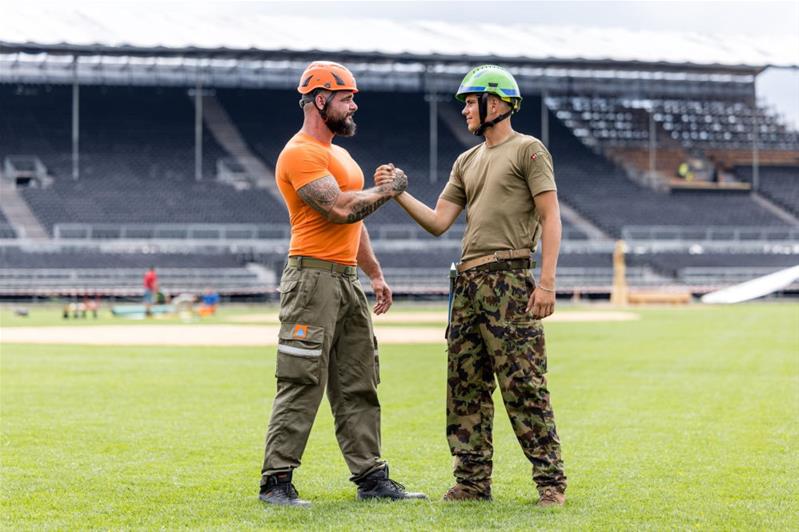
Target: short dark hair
311,96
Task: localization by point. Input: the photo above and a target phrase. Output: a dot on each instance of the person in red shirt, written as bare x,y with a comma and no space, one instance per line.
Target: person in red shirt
150,290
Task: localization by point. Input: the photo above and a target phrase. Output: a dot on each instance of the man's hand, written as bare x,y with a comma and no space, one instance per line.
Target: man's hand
384,174
391,176
383,295
541,303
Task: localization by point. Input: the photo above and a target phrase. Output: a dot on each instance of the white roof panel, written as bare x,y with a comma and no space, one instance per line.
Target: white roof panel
241,26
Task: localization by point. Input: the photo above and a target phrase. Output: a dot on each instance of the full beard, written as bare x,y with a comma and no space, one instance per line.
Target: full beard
342,126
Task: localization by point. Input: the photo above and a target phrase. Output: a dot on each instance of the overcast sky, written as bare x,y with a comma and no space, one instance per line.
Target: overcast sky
758,18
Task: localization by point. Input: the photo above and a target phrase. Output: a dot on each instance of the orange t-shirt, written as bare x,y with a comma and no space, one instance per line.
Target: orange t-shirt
305,159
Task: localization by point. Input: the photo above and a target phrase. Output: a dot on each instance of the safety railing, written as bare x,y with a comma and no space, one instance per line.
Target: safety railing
710,233
171,279
222,232
216,232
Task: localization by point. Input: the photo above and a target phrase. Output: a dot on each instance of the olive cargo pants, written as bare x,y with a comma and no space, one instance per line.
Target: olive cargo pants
326,340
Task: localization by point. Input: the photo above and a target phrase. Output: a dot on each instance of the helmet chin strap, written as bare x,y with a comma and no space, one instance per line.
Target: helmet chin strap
482,105
323,110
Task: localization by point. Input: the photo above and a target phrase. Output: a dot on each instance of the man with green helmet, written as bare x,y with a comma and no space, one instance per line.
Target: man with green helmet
508,188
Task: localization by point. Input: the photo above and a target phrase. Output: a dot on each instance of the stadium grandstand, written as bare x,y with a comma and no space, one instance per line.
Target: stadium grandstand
120,150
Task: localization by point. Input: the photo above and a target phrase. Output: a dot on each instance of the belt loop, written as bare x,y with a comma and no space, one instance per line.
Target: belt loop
299,262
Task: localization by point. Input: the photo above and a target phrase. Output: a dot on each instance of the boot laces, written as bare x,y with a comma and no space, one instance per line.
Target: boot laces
287,488
395,485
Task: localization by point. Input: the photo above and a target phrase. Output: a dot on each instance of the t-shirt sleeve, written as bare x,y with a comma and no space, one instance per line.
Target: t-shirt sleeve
301,165
454,191
536,165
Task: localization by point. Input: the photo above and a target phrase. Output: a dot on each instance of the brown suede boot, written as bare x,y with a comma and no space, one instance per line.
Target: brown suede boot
459,492
551,496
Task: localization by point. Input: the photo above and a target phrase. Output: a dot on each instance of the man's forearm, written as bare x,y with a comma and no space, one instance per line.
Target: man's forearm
422,214
550,248
353,207
325,196
366,258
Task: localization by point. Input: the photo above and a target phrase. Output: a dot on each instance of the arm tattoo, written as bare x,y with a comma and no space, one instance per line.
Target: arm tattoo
363,208
400,181
320,194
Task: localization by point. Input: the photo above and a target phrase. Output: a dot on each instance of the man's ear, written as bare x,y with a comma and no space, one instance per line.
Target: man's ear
493,103
322,97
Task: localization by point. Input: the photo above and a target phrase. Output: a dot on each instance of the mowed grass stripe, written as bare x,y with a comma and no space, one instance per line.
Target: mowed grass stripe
684,419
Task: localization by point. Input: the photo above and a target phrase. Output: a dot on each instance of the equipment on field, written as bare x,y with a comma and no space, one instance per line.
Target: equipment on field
140,311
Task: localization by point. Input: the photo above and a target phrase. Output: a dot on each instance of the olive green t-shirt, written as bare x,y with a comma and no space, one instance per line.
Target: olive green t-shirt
496,185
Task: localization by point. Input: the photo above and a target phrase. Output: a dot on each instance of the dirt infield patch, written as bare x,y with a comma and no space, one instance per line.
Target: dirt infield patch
183,335
249,335
441,317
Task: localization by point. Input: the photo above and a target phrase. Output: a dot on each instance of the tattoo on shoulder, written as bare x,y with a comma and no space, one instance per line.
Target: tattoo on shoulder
321,193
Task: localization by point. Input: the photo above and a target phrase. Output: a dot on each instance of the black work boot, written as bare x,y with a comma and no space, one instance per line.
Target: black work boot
279,490
377,485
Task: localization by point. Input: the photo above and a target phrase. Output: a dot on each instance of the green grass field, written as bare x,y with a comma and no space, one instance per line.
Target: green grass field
686,419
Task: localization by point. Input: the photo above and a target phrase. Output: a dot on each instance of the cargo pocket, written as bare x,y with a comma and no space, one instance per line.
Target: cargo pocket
526,340
299,353
295,293
377,360
288,292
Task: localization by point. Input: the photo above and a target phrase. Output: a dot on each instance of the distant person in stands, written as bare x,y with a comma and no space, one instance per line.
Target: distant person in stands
326,338
713,169
150,290
507,186
684,171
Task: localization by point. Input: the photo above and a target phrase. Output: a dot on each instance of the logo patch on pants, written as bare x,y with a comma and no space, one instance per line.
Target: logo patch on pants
299,331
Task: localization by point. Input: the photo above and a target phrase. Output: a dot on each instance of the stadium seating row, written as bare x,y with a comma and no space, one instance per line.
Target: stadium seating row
137,158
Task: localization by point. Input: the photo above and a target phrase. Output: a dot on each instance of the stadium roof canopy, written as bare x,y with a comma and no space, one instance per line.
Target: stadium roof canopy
244,29
181,34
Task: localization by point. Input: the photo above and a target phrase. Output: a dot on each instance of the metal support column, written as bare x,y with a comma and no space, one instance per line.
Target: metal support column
544,120
198,130
755,139
652,143
75,121
432,99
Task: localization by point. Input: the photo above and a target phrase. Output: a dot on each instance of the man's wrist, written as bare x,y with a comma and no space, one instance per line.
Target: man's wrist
547,284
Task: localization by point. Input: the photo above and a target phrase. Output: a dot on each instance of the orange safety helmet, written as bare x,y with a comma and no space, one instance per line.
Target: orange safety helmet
326,75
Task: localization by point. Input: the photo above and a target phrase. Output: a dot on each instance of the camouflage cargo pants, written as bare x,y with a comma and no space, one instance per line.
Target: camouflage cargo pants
491,334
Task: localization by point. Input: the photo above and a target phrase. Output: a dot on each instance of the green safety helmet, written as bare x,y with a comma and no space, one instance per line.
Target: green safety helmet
490,79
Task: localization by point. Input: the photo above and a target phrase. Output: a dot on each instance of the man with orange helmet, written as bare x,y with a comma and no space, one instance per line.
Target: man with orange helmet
326,339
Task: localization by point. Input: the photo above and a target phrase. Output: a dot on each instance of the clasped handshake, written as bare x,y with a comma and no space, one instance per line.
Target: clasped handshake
390,178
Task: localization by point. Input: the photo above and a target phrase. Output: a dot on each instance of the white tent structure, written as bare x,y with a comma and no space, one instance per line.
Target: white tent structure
762,286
